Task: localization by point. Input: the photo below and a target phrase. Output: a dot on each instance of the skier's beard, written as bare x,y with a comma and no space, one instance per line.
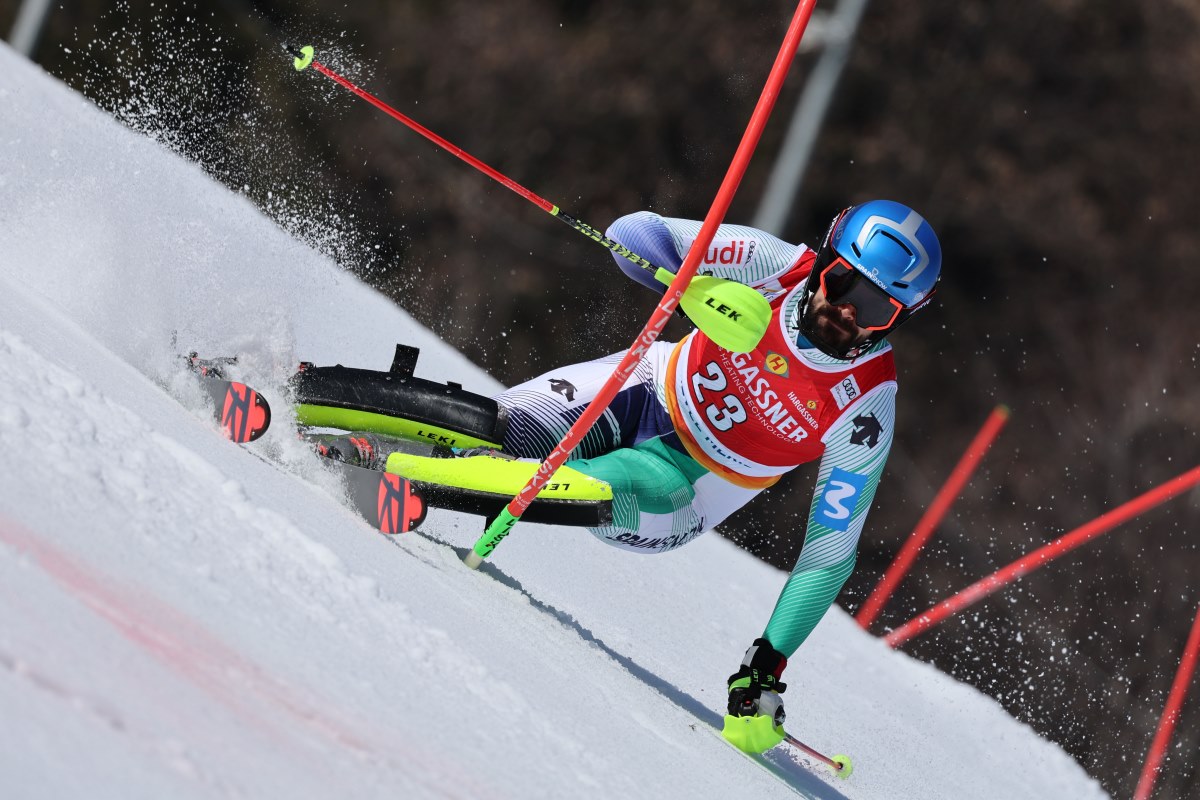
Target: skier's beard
829,329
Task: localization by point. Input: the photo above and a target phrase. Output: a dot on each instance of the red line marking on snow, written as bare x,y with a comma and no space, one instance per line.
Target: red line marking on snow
173,639
182,645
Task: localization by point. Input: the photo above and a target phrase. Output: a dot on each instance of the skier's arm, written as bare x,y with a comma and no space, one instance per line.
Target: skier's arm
846,483
739,253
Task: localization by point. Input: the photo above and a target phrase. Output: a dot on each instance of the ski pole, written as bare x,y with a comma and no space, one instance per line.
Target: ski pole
504,522
733,315
841,765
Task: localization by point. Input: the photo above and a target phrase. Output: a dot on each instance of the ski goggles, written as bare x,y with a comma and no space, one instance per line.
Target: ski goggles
842,284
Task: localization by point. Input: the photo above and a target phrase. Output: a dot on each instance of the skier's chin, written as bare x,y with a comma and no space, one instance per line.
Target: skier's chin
835,333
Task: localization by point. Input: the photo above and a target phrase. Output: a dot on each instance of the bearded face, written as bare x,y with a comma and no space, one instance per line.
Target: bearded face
832,328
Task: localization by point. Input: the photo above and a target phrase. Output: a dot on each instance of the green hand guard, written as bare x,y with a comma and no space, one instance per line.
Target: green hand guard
753,735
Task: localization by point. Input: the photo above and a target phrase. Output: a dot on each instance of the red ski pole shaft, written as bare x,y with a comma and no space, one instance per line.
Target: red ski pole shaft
799,745
705,301
491,172
540,202
504,523
840,764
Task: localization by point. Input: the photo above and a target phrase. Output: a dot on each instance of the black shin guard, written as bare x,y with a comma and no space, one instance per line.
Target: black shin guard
397,403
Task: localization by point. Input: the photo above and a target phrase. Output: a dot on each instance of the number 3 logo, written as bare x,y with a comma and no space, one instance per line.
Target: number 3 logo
840,498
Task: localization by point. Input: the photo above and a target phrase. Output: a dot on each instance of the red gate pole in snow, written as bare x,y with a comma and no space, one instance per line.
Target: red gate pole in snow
1166,724
933,516
1043,555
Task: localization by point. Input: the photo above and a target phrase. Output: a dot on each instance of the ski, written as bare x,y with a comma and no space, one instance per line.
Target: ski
243,414
390,503
397,457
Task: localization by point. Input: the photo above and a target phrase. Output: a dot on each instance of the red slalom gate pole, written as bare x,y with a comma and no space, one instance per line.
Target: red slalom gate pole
503,524
1043,555
932,516
1166,724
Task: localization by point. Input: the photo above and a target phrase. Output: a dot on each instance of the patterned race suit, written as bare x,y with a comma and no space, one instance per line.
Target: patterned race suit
697,431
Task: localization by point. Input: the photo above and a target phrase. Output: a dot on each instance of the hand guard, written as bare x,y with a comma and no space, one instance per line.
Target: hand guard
754,723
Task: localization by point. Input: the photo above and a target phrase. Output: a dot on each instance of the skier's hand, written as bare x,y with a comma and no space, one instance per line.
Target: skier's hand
754,722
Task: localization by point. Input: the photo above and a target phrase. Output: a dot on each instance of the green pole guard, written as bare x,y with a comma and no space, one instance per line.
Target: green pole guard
732,314
501,526
753,735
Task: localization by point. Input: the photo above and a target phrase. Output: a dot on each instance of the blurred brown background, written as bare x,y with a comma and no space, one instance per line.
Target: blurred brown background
1051,144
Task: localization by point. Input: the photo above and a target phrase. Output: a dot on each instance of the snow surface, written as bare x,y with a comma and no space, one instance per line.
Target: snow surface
183,617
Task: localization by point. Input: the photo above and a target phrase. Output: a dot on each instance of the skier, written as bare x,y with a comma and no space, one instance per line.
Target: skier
697,431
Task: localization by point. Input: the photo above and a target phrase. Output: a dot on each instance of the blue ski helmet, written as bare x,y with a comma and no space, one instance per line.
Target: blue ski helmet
883,259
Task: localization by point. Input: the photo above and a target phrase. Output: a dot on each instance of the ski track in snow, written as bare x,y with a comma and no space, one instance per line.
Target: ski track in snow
183,617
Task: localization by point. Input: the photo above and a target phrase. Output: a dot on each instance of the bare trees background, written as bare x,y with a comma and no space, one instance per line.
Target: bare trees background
1051,144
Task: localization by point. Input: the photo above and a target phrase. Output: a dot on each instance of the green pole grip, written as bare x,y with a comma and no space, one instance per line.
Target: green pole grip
494,534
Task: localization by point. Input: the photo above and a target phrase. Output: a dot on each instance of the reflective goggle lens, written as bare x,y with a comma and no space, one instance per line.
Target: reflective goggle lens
843,285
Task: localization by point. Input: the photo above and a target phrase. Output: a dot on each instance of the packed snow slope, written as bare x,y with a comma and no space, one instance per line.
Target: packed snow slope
183,617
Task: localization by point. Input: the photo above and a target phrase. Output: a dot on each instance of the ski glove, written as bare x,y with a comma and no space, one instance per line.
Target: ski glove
754,722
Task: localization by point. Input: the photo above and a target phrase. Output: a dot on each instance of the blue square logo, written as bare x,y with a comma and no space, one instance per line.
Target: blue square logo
836,508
